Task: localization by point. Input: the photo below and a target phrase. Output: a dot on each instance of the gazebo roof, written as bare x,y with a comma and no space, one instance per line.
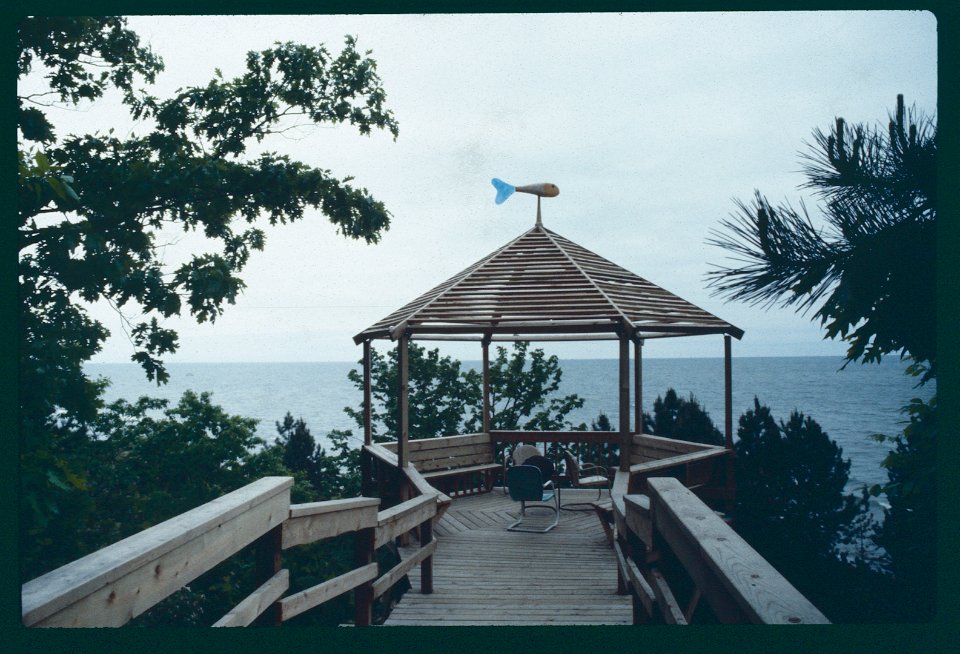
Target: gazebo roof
541,284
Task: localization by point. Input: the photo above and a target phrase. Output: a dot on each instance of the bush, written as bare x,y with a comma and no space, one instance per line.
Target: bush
790,503
675,417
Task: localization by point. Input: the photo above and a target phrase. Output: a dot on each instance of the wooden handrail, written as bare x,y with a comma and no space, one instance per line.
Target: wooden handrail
738,584
679,460
119,582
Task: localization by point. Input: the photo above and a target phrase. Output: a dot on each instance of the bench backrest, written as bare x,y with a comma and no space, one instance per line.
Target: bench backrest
428,454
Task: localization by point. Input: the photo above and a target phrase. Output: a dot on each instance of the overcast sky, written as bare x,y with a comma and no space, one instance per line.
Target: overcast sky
650,124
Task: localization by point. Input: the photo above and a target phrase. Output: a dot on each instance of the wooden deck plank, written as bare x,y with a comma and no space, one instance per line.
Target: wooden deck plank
486,575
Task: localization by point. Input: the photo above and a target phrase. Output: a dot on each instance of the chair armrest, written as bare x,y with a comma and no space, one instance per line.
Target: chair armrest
593,466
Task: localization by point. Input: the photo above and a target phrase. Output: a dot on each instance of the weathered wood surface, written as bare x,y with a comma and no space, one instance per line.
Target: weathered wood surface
466,470
121,581
728,571
382,453
679,460
315,521
404,517
423,444
637,517
646,448
244,613
421,485
669,609
448,457
415,556
541,282
317,595
485,575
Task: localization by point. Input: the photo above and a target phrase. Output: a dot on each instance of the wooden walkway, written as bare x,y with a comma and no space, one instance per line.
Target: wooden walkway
486,575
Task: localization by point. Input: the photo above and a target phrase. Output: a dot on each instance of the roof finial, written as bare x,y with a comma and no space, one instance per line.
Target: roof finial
505,190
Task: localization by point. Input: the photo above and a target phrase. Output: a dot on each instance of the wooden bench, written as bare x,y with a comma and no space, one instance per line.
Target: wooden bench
455,465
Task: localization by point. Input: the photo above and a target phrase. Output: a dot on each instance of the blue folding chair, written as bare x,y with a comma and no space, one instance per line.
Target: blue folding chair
526,484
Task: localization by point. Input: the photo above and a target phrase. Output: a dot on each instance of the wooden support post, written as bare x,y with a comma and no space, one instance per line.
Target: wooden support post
639,614
268,561
731,479
403,400
485,343
367,408
624,402
638,386
727,394
366,479
426,567
364,554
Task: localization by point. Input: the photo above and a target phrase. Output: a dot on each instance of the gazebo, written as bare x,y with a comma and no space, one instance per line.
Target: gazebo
543,287
658,542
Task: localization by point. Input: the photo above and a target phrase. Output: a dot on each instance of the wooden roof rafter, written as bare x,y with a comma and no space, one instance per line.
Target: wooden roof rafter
543,285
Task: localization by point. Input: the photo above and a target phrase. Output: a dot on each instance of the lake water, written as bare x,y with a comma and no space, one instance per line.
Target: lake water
849,404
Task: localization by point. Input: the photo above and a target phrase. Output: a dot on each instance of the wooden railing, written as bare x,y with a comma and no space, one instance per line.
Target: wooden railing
121,581
704,468
673,550
598,447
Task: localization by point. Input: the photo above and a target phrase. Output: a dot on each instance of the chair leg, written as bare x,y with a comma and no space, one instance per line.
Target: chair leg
523,514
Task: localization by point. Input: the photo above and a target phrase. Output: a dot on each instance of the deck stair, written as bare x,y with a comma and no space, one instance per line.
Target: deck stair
485,575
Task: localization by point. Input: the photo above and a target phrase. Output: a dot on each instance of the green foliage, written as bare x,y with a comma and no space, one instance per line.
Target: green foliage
790,504
142,463
522,384
94,208
873,271
676,417
329,476
447,400
602,423
440,393
874,277
909,530
297,442
145,462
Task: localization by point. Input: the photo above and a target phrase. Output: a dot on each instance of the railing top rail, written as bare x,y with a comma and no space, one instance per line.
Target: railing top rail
713,548
382,453
55,590
331,506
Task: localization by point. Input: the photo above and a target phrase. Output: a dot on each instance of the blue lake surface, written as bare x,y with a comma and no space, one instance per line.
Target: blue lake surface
850,404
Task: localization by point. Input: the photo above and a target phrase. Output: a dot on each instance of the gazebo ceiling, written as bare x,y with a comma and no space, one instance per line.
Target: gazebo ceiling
545,286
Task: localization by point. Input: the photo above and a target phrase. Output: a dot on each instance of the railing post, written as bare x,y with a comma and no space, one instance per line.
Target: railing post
727,394
365,477
364,552
639,613
731,479
403,400
426,568
268,561
638,386
624,400
367,406
485,343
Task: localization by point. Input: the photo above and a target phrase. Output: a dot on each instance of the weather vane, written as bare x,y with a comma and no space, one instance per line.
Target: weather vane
505,190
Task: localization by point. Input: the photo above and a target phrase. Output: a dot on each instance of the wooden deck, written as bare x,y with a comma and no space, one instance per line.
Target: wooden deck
486,575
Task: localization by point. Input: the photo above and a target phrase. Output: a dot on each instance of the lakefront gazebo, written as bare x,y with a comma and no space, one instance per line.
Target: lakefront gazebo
543,287
656,551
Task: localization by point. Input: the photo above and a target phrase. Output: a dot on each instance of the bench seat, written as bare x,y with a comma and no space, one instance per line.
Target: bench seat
437,474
